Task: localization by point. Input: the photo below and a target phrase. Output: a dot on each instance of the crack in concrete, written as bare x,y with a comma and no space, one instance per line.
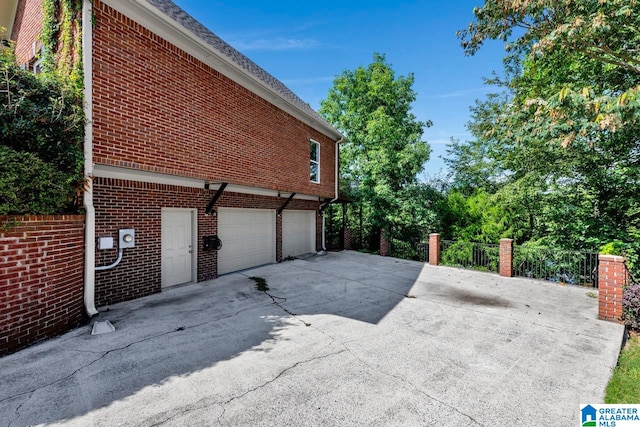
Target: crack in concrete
418,389
396,377
72,374
190,408
30,393
280,374
346,348
204,403
276,300
17,411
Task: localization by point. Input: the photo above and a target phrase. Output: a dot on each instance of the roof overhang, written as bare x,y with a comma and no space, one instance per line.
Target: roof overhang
158,22
8,10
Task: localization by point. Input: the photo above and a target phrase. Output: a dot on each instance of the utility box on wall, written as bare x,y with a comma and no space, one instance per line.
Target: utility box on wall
126,238
211,243
105,242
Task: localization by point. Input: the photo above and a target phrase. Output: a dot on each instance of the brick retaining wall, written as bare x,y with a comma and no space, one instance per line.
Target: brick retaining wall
41,278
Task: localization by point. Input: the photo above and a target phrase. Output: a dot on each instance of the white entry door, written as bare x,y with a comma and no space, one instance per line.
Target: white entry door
177,246
248,238
298,232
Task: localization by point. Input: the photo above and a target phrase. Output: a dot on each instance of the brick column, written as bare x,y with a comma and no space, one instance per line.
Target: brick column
347,239
612,277
506,257
384,243
434,249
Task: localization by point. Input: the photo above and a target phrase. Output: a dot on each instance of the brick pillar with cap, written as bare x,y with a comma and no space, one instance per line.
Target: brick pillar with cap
612,278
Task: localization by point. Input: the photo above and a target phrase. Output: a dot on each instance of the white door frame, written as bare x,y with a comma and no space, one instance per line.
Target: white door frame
194,242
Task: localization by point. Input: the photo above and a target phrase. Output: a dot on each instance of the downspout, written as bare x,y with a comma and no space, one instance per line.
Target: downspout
337,193
90,218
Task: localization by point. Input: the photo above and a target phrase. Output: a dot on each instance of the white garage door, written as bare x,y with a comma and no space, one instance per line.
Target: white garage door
248,238
298,232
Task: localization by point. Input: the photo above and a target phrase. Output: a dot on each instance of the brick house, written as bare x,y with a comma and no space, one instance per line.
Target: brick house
186,139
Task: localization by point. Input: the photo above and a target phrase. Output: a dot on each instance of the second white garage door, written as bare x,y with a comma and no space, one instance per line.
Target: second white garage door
298,233
248,238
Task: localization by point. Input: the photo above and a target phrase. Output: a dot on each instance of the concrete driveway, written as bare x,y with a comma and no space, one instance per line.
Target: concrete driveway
344,339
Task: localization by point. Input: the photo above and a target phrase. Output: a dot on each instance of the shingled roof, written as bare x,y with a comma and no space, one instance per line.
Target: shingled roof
190,24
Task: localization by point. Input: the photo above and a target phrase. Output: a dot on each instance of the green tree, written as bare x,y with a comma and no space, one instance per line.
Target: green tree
560,150
581,38
384,152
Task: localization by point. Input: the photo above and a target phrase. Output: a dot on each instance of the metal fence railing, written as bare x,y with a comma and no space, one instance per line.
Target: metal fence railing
414,249
533,262
556,265
476,256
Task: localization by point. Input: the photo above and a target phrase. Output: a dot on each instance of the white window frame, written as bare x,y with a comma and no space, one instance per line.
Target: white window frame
37,67
314,162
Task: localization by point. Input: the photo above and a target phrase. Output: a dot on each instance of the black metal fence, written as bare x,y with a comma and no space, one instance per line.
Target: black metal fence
544,263
556,265
470,255
414,249
334,226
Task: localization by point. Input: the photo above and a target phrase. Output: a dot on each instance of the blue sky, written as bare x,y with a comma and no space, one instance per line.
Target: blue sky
307,44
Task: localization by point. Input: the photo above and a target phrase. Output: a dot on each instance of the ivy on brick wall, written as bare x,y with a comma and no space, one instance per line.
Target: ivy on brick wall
61,37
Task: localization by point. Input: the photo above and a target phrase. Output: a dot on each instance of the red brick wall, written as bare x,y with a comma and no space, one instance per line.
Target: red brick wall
26,28
159,109
41,278
128,204
612,277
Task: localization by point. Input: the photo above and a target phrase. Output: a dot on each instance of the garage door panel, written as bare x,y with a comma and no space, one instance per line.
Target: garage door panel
298,232
248,238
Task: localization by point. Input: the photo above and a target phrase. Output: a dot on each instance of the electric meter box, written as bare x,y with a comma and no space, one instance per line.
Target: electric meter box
126,238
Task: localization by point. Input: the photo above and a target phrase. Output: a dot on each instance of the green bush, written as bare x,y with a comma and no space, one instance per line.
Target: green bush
631,253
41,135
30,185
631,306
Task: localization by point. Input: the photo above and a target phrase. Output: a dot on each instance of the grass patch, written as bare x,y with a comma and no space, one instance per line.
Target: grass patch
624,385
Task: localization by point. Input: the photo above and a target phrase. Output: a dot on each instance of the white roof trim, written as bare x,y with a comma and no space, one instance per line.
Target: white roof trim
8,10
114,172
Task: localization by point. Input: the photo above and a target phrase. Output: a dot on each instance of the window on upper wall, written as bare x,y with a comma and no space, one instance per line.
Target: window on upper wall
314,161
37,67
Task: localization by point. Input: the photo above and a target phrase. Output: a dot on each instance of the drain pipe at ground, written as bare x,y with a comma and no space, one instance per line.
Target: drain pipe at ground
90,217
337,194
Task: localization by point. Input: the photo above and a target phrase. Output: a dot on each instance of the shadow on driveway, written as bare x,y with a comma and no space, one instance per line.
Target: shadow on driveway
347,338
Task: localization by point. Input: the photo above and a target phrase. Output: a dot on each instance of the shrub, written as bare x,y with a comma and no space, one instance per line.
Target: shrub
41,135
630,251
31,185
631,306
